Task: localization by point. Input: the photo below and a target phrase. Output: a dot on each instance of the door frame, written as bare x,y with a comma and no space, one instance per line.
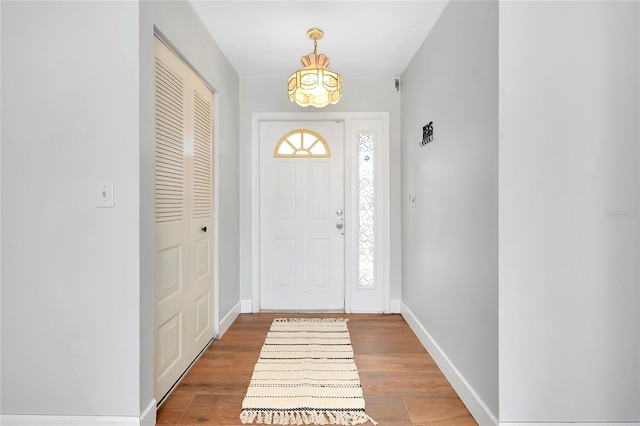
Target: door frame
383,225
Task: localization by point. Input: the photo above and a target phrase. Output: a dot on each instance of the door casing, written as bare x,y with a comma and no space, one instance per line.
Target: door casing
351,122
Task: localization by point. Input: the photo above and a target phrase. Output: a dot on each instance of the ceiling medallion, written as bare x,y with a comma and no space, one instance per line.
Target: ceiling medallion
315,84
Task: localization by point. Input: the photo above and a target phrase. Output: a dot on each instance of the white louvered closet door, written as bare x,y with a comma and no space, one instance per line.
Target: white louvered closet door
184,219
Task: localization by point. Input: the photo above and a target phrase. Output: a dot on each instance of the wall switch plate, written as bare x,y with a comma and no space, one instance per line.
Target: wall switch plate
105,194
412,199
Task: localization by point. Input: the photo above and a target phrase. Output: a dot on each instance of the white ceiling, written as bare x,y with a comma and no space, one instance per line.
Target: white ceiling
362,38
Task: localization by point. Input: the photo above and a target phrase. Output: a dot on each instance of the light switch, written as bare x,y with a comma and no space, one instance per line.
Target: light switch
412,199
105,194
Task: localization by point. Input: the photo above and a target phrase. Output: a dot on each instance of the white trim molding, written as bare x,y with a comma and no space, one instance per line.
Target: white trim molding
217,326
570,424
467,394
378,121
147,418
395,306
228,319
36,420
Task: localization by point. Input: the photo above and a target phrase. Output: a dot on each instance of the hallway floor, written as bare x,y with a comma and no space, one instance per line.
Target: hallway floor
401,383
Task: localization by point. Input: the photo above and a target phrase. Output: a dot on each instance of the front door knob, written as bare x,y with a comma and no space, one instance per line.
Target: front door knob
339,225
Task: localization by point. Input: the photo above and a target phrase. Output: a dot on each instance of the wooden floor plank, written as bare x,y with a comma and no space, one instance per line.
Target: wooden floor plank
401,383
438,411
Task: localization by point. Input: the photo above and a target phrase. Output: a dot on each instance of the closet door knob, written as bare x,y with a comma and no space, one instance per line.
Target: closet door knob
204,229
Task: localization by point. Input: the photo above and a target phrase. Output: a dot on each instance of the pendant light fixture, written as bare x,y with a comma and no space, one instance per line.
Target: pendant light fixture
315,84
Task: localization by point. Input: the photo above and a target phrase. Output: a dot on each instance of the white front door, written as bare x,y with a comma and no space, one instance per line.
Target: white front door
302,215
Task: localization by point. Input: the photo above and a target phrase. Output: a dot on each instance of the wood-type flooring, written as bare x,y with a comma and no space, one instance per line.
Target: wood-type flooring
401,383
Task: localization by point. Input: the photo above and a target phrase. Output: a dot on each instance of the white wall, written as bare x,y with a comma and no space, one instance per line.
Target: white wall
179,24
70,271
77,281
449,239
360,95
569,329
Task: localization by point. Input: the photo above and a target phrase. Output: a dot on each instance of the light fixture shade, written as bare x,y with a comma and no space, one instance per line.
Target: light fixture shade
315,84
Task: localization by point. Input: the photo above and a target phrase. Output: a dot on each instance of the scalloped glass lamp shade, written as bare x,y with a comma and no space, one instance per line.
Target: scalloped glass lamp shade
315,84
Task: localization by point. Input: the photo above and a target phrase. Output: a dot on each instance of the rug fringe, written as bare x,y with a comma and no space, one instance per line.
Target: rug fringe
305,417
311,320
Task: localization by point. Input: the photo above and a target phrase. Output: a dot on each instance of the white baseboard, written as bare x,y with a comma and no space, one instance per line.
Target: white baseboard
148,416
467,394
246,306
229,318
570,424
25,420
395,306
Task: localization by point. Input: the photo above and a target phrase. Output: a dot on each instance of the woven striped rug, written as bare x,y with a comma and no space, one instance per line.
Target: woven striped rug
305,375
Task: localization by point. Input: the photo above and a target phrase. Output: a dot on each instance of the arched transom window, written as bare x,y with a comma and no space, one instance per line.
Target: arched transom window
303,143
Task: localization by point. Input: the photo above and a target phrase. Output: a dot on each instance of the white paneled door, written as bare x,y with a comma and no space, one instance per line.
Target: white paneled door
302,215
184,219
